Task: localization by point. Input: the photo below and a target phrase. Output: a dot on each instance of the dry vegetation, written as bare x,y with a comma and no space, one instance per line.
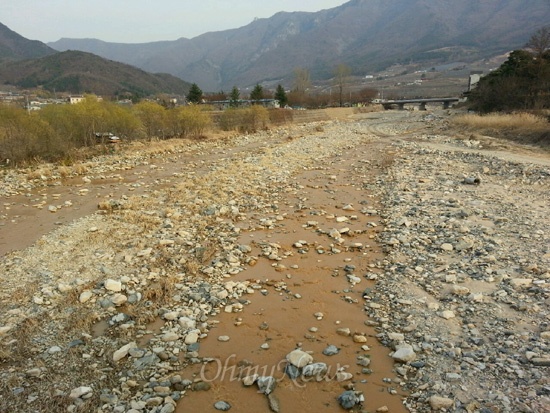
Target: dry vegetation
524,127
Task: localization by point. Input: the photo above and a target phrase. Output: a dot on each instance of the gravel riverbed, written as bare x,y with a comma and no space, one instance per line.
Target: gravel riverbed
437,246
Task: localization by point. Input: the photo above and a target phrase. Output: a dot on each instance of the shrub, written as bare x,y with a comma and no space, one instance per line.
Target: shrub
25,137
190,121
280,116
249,119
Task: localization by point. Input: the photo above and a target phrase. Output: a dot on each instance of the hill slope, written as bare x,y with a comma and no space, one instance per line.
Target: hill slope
366,35
80,72
14,46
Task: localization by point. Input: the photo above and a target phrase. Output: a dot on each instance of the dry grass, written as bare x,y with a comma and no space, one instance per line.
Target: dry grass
80,169
64,171
523,127
518,121
41,173
368,109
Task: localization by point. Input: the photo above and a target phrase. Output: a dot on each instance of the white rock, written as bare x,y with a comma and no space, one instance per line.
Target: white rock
223,339
521,282
353,279
80,391
123,351
112,285
187,323
34,372
404,353
170,336
460,290
250,380
85,296
396,336
119,299
191,338
343,376
171,315
446,247
64,288
447,314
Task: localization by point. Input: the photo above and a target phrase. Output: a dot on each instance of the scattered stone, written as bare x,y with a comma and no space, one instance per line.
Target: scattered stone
349,399
346,332
342,376
223,406
404,353
112,285
440,403
266,384
85,296
123,351
447,247
201,386
274,404
80,392
315,369
192,337
331,350
250,380
292,371
299,358
447,314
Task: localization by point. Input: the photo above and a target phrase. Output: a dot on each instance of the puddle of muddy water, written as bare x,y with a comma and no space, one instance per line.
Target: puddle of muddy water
277,321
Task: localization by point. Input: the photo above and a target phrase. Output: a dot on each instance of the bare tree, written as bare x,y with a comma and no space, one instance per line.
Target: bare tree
302,83
341,78
302,80
539,41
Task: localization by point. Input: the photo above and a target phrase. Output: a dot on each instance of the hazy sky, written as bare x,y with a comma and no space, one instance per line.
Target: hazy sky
134,21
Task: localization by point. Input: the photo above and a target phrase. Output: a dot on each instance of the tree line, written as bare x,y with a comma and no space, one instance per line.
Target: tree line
53,132
58,133
300,95
522,82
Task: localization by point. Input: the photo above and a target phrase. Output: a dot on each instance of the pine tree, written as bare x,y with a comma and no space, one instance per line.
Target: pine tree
195,94
257,93
234,97
281,96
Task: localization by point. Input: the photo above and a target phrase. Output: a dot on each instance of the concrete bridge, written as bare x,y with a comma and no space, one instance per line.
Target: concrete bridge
389,104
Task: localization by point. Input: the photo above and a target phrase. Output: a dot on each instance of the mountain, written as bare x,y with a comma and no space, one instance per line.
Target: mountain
14,46
366,35
81,72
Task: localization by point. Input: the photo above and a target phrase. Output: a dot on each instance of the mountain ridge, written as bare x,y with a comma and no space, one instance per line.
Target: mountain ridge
15,47
366,35
82,72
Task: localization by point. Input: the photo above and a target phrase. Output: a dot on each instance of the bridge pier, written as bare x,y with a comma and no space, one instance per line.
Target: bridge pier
401,106
422,106
446,104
